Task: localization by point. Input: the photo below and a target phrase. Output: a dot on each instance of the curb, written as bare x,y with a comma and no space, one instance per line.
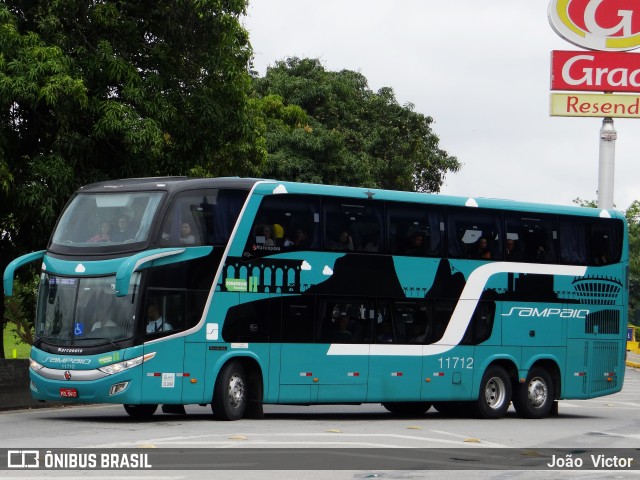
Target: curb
633,364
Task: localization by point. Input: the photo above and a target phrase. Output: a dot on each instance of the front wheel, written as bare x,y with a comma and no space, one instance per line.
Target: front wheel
407,409
230,394
140,411
495,393
534,398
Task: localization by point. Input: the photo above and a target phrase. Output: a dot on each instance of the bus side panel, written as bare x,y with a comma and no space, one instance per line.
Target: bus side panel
194,368
394,378
163,375
449,376
336,378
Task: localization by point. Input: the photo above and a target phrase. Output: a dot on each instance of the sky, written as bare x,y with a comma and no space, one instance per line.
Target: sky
480,69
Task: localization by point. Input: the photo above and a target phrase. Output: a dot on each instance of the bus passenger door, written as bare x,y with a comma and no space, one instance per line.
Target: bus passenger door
332,366
396,353
163,375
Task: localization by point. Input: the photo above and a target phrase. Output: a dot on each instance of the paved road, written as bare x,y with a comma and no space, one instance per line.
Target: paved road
612,422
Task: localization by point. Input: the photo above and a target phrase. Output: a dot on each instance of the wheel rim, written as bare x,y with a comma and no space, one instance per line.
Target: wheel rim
236,391
495,392
537,392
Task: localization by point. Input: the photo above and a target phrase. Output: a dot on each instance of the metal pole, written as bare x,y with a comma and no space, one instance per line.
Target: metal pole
606,166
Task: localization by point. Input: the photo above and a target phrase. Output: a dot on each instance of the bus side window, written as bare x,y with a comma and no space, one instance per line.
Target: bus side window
352,225
481,325
475,234
285,223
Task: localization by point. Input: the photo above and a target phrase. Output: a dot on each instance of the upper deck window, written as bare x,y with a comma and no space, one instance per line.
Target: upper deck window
202,217
96,219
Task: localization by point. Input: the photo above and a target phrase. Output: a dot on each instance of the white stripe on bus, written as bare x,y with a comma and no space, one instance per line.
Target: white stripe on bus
463,312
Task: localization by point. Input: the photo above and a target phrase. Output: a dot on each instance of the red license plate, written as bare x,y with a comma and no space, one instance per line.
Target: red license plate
69,392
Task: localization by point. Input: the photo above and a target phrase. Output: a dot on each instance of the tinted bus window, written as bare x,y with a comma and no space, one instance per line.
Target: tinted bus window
530,238
202,217
415,230
474,233
352,225
285,222
605,242
587,241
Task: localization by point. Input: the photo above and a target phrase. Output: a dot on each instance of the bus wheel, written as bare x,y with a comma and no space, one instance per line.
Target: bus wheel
230,393
407,409
534,398
495,393
140,411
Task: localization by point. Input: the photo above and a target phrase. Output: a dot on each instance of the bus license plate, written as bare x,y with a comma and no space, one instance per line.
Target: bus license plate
69,392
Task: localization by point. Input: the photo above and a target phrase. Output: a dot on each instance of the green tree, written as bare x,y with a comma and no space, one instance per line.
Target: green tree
344,133
111,89
633,217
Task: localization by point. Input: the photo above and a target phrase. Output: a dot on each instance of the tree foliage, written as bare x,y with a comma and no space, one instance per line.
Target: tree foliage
111,89
343,133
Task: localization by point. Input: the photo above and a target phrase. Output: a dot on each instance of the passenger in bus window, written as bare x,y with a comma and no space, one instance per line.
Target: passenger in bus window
482,248
341,332
417,244
186,236
385,333
267,237
300,239
278,234
122,231
344,242
511,253
104,235
155,322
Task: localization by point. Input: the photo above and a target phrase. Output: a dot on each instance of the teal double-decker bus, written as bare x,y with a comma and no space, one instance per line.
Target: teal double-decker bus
243,292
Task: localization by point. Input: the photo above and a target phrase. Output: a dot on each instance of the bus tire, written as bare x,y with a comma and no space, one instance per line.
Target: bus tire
535,397
230,393
407,409
141,411
495,393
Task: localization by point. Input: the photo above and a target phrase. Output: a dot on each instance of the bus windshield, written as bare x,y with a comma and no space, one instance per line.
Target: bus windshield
92,219
84,311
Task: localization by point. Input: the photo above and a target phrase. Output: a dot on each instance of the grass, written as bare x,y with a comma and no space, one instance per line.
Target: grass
12,347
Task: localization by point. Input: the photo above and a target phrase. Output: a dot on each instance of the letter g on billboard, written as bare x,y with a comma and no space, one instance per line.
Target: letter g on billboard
608,25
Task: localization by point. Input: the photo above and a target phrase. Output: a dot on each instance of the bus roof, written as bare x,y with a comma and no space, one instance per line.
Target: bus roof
168,184
268,187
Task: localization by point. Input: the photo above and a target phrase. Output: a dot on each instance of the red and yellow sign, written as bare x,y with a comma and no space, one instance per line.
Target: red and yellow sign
595,71
595,105
608,25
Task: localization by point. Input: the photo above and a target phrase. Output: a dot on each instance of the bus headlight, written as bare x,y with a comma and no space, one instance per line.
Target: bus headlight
35,366
126,365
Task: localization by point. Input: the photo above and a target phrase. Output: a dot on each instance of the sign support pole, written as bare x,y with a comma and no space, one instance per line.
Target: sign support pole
606,165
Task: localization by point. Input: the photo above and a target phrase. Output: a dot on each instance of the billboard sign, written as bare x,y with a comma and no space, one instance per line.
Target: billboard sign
595,71
607,25
595,105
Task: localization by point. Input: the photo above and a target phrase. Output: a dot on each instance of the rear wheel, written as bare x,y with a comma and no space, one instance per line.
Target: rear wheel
407,409
495,393
230,394
534,398
140,411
